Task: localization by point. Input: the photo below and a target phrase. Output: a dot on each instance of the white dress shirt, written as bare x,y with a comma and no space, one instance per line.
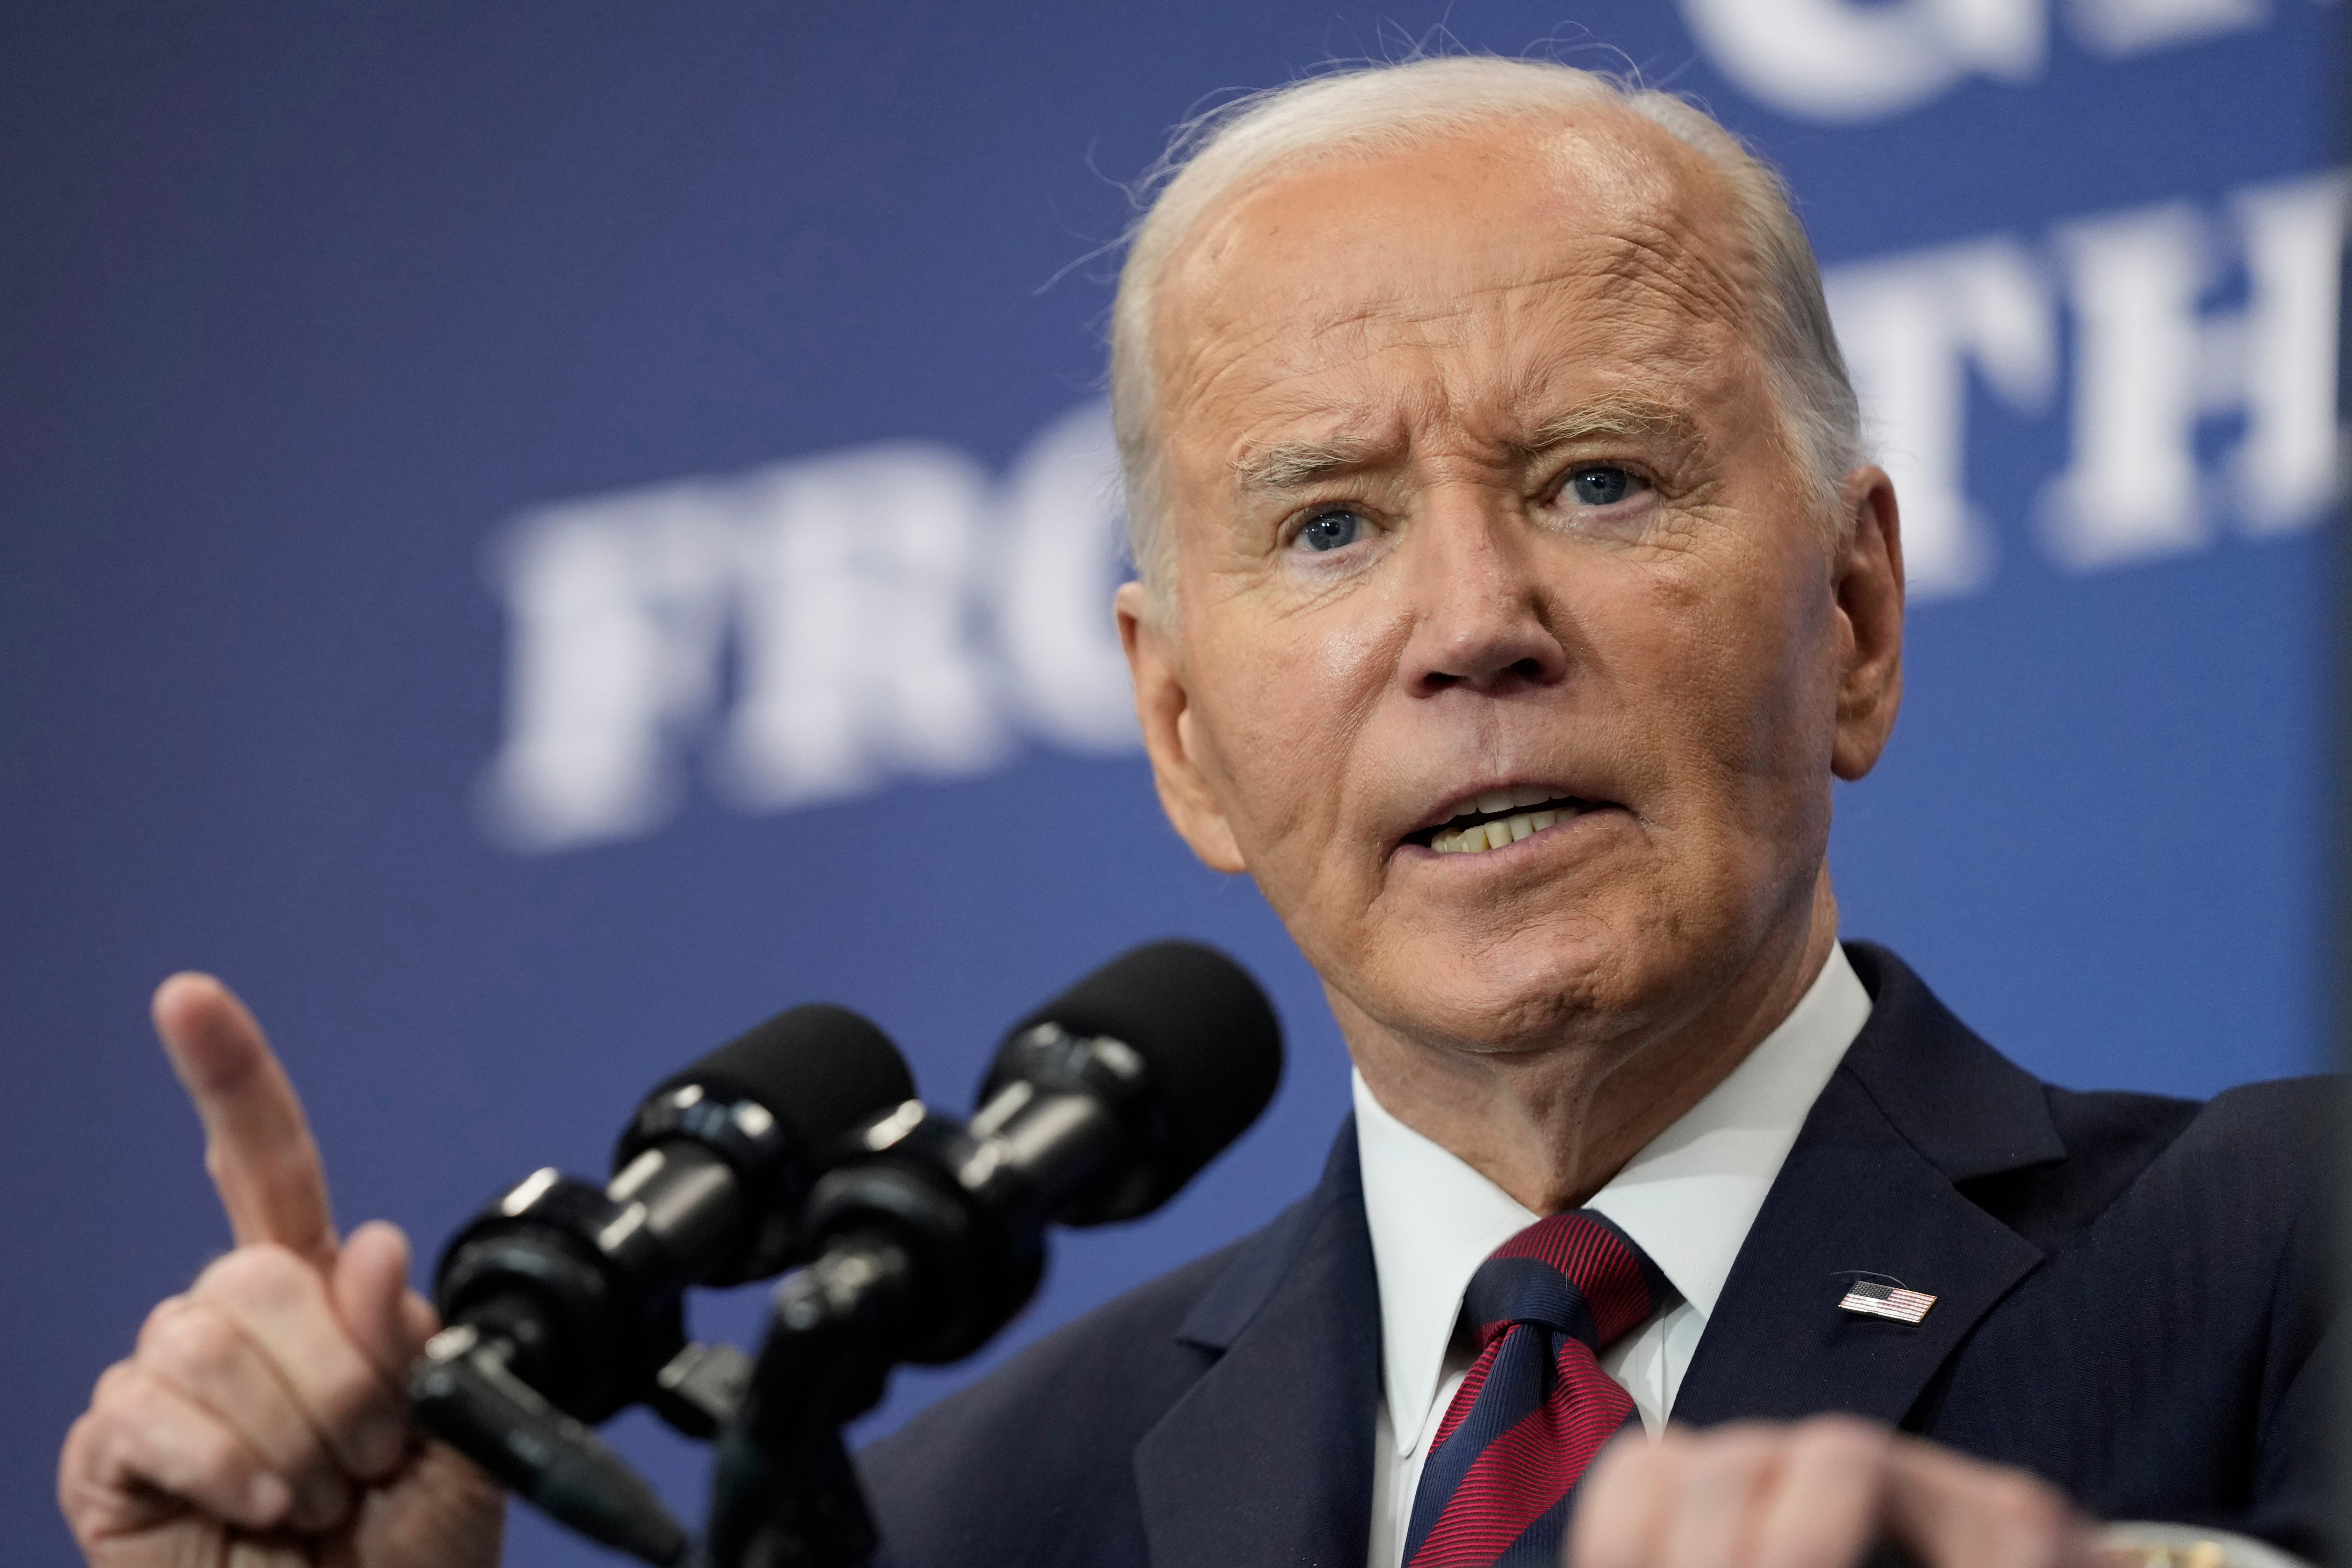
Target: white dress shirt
1687,1199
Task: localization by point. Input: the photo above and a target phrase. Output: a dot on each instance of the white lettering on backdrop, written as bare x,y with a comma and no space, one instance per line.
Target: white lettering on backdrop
1844,60
1912,327
814,628
857,616
2152,366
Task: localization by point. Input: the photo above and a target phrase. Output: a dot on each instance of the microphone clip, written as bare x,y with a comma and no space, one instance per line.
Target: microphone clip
466,1394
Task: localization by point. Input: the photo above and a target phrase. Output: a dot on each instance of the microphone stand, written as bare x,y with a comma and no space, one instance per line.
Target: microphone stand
929,1242
929,1246
784,1494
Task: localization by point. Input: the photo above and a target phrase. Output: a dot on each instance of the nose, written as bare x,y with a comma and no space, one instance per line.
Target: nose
1484,619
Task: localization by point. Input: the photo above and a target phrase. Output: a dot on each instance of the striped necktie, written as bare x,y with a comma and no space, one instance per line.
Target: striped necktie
1535,1406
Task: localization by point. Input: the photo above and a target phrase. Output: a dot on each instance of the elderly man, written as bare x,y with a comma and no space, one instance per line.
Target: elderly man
1511,591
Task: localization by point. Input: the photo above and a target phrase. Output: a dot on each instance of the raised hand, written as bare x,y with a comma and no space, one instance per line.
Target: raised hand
260,1421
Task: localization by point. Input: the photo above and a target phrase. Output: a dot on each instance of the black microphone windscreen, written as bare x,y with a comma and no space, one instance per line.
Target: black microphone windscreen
1208,1037
820,1071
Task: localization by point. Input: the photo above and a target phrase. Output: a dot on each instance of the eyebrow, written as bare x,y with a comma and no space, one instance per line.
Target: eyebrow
1295,465
1639,418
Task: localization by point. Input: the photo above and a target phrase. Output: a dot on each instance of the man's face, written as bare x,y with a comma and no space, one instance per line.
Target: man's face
1480,502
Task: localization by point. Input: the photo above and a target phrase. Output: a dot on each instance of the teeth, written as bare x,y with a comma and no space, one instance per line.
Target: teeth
1495,833
1512,799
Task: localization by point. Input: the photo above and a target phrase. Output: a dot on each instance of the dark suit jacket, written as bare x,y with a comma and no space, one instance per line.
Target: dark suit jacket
2129,1301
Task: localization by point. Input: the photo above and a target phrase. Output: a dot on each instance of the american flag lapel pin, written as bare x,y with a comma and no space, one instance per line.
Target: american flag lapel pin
1872,1299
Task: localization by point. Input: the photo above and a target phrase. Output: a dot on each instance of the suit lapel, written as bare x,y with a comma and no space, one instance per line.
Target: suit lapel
1918,1105
1267,1459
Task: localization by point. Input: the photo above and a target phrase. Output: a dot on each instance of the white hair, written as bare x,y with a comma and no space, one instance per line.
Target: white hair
1374,110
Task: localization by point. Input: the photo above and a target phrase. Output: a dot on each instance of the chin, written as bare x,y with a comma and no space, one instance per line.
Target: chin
1532,991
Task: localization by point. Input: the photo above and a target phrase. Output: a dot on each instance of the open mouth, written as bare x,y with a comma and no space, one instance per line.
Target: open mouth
1502,817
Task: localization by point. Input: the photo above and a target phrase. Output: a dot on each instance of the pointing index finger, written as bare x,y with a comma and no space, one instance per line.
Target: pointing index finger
257,1145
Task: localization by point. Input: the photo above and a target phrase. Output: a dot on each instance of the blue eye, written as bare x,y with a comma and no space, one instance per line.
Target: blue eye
1600,485
1333,530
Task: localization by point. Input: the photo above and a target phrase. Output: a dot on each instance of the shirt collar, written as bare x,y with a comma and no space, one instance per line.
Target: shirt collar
1688,1198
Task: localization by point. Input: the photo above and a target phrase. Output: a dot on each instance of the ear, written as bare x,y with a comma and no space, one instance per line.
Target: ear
1171,737
1867,583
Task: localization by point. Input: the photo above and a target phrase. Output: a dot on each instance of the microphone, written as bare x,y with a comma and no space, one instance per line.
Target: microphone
564,1300
1172,1051
1097,1107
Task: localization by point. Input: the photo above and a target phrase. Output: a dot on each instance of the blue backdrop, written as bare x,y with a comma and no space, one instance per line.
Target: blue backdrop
537,535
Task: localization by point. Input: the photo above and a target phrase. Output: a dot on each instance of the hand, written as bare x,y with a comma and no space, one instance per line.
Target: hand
261,1420
1817,1494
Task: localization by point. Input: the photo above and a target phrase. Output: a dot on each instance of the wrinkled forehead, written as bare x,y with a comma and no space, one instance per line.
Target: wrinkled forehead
1600,240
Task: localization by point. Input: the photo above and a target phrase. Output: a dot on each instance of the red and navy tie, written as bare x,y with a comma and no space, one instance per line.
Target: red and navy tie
1535,1406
